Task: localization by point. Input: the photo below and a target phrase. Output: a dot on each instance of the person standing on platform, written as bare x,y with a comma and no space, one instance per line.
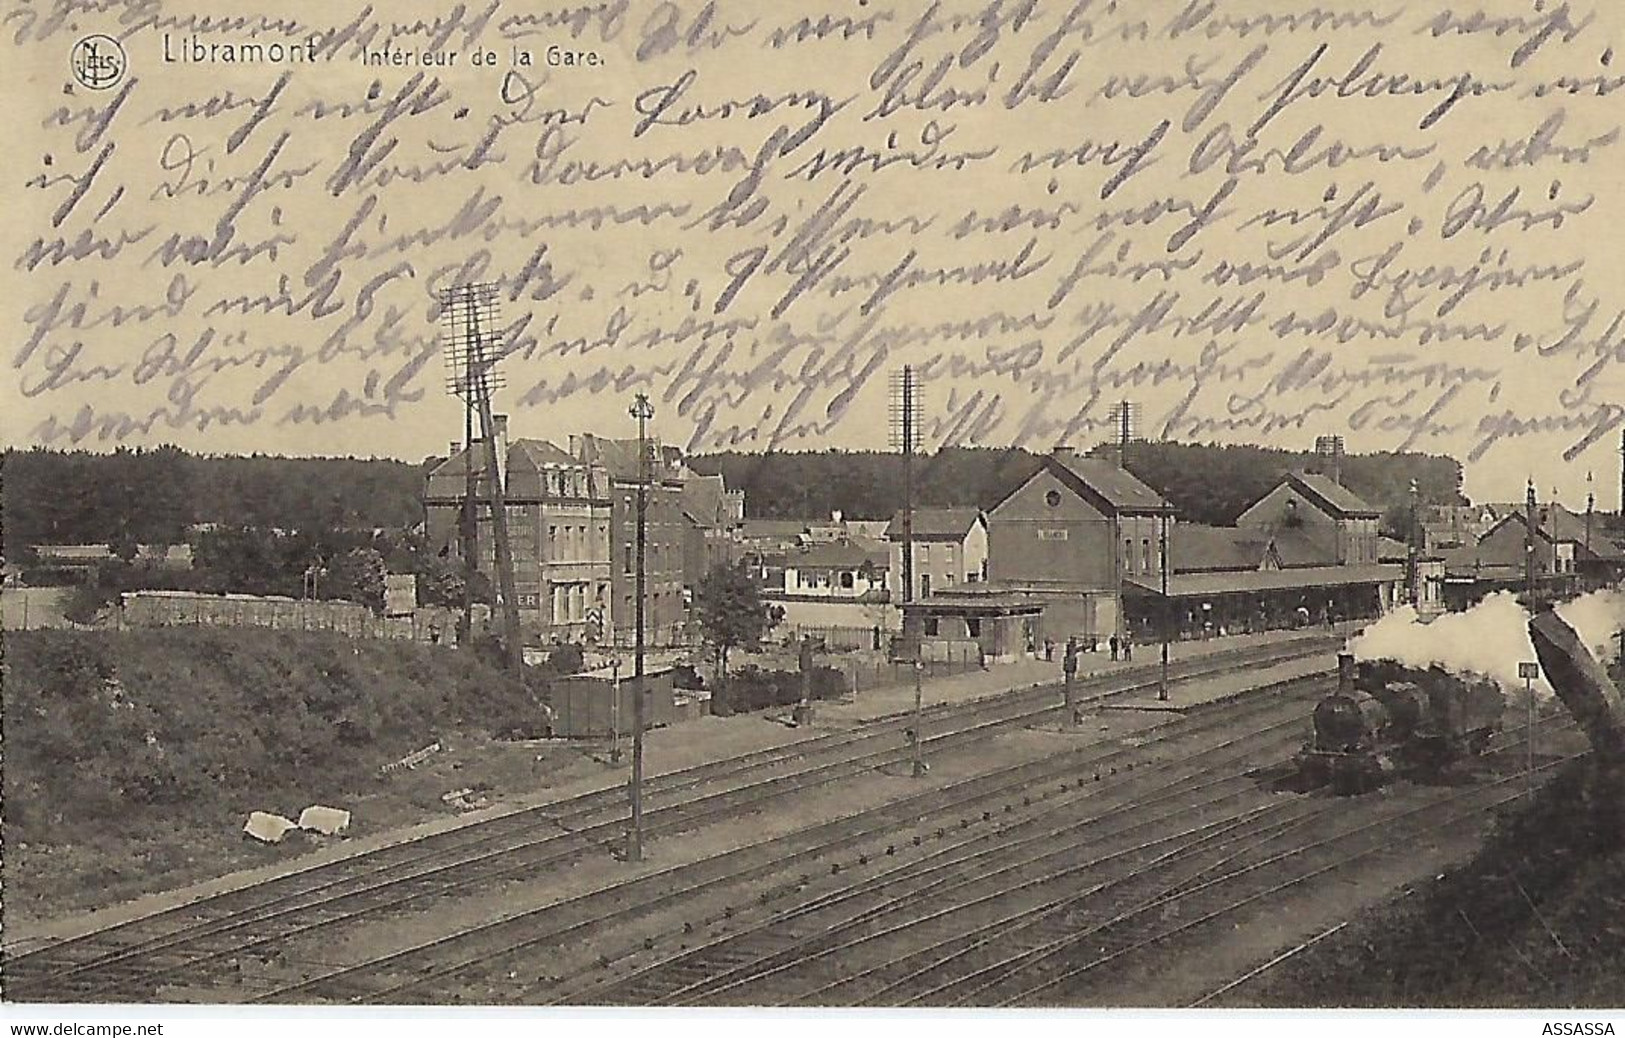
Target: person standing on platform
1112,643
1128,648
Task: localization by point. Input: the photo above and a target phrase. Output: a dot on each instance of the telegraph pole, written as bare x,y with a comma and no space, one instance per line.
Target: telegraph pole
905,432
1529,544
1413,565
1167,606
469,519
1591,504
642,410
472,360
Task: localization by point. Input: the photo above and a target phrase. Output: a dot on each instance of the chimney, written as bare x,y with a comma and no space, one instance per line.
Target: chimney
1345,672
451,451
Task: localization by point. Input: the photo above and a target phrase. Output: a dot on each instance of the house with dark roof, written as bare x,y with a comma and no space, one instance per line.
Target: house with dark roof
558,528
830,584
1570,552
949,548
1323,513
713,531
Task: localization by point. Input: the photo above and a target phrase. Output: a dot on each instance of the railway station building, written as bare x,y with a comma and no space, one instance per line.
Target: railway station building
1306,553
1066,538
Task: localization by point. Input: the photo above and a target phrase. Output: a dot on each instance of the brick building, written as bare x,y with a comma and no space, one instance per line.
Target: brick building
1316,509
665,528
1071,534
559,515
950,548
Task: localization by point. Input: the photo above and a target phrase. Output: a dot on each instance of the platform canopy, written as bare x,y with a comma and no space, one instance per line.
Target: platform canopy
1197,585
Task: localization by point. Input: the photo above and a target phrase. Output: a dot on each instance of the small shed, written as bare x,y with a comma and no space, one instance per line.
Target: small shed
585,705
1004,627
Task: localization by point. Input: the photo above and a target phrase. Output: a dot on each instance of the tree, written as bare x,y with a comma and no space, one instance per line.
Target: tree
732,614
358,576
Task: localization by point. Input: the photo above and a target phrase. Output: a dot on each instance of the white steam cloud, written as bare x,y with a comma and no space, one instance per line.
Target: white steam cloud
1491,638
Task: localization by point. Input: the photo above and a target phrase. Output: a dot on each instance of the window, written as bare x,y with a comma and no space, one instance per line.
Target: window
1145,555
1128,555
973,626
628,567
925,585
553,542
931,626
847,579
1053,499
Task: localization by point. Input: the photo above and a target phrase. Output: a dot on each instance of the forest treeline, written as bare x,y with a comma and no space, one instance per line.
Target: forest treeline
154,496
1208,483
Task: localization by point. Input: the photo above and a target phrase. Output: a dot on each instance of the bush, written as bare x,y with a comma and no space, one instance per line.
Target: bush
565,659
685,677
752,688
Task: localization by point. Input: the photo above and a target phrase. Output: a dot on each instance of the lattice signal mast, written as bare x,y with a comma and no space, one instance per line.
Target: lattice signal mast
905,413
468,317
1125,417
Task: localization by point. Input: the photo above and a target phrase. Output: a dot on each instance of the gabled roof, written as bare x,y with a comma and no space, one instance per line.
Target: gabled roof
1563,525
1297,549
850,554
936,524
1114,486
702,500
1334,498
1101,483
1557,524
1194,548
774,529
527,459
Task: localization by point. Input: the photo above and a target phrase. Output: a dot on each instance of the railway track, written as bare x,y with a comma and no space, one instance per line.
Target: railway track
132,960
487,958
954,930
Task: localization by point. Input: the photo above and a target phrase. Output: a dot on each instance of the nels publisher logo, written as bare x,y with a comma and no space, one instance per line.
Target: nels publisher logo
98,62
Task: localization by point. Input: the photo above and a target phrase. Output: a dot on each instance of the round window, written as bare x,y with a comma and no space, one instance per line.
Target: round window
1053,498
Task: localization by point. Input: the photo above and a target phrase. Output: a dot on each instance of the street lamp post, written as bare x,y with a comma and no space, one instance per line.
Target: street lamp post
642,410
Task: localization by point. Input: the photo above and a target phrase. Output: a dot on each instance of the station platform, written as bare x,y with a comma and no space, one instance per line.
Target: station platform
1004,678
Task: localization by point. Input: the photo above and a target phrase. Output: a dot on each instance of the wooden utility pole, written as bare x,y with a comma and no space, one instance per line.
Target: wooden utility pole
1530,519
467,311
642,410
1167,606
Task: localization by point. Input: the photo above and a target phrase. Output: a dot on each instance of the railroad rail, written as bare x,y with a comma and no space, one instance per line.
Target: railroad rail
1029,887
974,809
127,960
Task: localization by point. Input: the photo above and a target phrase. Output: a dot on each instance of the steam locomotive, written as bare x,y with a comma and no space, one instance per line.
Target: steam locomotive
1387,719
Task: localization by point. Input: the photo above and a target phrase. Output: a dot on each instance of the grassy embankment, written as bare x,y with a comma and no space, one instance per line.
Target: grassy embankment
132,759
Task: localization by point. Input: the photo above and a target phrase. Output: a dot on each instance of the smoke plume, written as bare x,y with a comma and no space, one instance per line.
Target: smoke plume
1491,638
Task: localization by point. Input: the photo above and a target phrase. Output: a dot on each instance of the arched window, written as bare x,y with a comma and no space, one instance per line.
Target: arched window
1128,555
